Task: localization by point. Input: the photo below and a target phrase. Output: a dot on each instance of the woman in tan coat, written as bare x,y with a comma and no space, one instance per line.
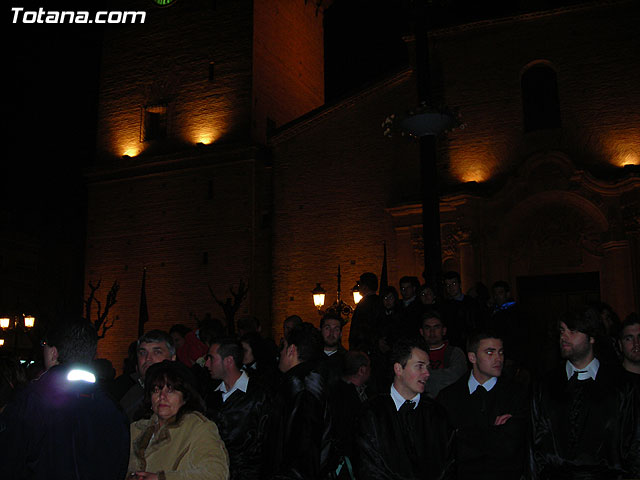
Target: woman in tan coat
177,442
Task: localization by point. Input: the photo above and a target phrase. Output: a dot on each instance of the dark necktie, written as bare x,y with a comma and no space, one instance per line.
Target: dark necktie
407,407
480,391
577,411
480,394
406,421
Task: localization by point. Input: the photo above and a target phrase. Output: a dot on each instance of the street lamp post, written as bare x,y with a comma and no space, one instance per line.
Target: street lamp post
339,307
14,326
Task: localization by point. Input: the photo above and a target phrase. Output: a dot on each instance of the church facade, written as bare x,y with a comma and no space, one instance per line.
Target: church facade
226,155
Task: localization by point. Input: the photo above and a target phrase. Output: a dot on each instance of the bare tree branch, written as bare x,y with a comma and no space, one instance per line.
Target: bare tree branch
102,322
230,307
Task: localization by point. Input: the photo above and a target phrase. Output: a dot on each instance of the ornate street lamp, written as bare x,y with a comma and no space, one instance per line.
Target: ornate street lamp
318,296
15,326
339,307
357,296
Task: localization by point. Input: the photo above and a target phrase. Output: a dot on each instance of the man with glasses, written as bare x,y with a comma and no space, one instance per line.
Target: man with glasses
411,313
460,312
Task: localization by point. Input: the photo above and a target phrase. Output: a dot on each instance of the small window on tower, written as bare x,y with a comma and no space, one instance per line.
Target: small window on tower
155,122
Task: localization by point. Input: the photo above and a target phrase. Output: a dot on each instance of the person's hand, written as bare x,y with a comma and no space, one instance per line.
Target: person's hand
502,419
146,476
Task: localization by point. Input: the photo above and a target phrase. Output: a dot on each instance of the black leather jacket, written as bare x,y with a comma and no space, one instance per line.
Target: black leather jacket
602,442
299,433
242,421
391,447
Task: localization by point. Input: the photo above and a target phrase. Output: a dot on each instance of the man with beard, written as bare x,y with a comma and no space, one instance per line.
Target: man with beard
585,418
629,344
403,434
332,360
489,413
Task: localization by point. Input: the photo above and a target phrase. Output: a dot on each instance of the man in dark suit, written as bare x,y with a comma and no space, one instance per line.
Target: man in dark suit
411,312
299,439
585,417
240,407
461,313
332,359
490,415
403,434
367,317
345,401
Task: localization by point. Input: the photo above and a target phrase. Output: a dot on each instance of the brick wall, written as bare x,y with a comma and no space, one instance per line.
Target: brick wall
333,180
191,227
591,49
167,59
288,62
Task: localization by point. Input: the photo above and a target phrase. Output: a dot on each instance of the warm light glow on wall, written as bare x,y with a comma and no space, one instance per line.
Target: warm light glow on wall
630,159
474,175
623,149
131,151
205,134
4,322
473,163
206,139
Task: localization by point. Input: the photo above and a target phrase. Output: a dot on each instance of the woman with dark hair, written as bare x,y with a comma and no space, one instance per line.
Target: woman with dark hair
177,441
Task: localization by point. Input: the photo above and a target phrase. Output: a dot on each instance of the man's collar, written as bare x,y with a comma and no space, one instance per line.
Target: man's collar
399,400
488,385
328,353
440,347
590,371
241,384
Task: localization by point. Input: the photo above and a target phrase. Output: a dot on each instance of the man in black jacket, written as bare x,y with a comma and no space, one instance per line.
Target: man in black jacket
585,417
299,432
367,317
240,407
63,425
403,434
490,415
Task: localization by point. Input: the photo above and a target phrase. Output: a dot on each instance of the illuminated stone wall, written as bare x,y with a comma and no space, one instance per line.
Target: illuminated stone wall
334,176
360,188
288,62
193,226
193,215
167,60
479,69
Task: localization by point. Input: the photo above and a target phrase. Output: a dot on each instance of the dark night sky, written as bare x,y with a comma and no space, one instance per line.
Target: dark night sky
49,126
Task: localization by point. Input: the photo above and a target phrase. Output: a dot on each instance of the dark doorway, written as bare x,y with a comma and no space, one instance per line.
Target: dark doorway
544,299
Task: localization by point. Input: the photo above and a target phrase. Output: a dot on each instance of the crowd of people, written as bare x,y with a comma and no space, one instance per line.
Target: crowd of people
429,388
